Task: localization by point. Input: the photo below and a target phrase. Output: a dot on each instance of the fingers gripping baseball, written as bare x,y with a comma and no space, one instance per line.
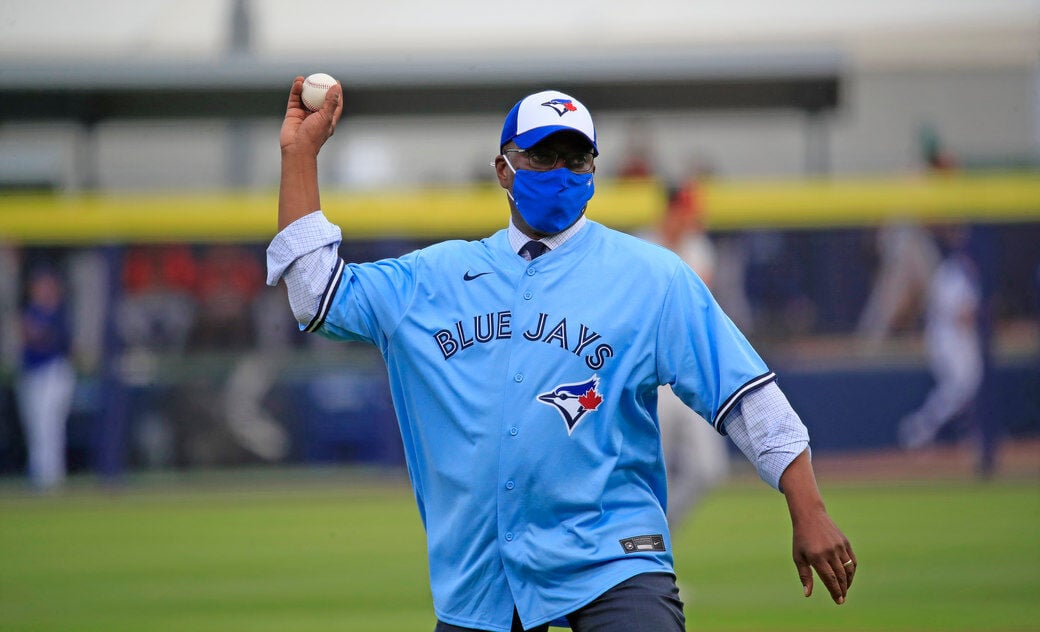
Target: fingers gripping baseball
304,130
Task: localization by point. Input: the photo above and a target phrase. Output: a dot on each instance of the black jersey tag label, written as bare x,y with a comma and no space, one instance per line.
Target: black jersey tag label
643,543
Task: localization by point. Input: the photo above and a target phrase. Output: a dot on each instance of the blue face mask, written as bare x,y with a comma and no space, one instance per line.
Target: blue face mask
550,201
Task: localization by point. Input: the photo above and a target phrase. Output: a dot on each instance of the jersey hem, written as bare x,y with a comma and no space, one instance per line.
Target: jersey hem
473,625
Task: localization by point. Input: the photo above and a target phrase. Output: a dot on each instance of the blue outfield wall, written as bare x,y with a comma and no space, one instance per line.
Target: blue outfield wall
343,415
859,408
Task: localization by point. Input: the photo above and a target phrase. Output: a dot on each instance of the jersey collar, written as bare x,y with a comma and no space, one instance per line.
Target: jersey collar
517,239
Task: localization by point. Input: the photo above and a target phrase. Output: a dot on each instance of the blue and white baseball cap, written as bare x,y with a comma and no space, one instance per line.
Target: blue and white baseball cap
544,113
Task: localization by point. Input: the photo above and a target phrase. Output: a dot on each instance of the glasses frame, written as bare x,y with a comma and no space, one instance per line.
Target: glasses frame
556,158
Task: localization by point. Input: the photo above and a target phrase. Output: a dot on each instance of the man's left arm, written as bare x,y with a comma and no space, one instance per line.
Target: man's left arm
770,434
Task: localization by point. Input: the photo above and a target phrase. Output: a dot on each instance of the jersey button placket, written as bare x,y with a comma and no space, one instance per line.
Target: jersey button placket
511,519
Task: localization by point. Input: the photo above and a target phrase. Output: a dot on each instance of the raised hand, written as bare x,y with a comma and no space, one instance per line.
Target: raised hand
304,131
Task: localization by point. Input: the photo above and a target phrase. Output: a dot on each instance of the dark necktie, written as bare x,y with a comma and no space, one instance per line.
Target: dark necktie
532,250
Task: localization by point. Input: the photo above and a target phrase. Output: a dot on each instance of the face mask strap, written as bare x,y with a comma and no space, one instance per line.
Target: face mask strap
509,164
509,192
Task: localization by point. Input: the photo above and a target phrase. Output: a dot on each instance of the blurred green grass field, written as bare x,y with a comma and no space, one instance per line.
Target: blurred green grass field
345,551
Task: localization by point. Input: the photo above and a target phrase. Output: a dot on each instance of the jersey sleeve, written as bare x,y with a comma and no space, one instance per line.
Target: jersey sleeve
366,301
702,355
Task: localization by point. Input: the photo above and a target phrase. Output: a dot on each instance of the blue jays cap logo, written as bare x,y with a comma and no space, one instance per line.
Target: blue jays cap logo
573,401
562,106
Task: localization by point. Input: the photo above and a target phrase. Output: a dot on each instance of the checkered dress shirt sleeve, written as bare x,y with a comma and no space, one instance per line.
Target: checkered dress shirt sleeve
305,254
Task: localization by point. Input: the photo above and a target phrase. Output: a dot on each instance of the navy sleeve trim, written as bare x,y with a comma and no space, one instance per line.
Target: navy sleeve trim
732,400
326,299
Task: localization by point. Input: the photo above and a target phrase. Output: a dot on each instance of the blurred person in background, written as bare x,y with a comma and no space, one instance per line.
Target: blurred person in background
230,277
952,342
156,313
637,163
157,310
696,457
46,380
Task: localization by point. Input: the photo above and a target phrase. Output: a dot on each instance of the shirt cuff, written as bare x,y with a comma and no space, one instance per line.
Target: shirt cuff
768,431
307,234
305,255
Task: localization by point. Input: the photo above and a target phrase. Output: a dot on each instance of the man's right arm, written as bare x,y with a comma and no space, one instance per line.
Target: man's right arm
302,135
304,253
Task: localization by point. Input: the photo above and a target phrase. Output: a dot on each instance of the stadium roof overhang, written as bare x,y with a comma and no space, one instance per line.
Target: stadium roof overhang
411,84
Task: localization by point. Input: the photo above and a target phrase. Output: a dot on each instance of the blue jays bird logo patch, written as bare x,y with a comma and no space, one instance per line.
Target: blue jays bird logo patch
562,106
574,401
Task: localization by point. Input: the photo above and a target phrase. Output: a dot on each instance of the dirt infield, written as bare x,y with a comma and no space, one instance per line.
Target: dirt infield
1017,459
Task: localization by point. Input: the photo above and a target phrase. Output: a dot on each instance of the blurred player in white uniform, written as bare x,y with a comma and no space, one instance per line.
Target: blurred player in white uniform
953,345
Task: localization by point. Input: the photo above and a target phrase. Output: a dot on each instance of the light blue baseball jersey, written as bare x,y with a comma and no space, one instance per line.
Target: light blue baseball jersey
526,396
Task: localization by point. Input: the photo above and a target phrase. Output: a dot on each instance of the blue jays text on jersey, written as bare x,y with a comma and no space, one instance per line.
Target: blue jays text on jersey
526,400
499,326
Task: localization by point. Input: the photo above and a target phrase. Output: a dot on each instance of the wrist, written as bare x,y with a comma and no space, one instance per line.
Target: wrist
298,153
804,506
798,483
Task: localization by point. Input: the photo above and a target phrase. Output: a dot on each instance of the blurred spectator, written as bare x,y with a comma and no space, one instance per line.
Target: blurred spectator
156,313
696,456
157,310
638,163
681,228
229,278
952,341
934,154
46,381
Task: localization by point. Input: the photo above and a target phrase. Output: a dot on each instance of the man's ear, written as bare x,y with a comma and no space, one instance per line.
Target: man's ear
505,174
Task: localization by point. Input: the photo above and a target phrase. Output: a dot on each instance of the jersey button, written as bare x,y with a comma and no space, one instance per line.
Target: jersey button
510,484
528,296
519,377
509,537
514,431
531,272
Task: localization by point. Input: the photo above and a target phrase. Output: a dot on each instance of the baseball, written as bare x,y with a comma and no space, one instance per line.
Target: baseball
314,89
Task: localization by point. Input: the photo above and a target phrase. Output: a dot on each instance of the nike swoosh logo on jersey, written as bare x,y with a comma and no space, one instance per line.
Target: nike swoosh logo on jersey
470,277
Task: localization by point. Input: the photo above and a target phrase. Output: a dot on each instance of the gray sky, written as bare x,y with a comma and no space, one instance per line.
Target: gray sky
876,32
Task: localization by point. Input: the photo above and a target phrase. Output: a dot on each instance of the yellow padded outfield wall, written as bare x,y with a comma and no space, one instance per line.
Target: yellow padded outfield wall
475,211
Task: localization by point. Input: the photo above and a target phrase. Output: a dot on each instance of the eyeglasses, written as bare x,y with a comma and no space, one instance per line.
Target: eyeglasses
546,159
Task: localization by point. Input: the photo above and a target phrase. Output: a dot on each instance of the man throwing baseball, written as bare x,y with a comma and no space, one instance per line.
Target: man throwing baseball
524,370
